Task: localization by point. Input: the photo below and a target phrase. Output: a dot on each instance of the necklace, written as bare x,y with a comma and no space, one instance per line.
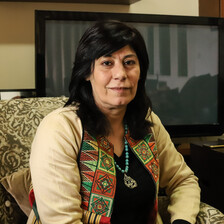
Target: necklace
128,181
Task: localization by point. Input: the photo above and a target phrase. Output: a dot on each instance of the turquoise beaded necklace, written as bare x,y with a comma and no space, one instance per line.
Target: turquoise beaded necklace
128,181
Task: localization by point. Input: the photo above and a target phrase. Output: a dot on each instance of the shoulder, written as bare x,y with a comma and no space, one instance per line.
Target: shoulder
63,116
160,133
62,124
60,132
154,119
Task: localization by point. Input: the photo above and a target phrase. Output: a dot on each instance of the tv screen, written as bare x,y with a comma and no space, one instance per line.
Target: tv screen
186,72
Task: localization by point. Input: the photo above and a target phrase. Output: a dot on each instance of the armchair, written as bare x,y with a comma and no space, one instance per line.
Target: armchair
19,119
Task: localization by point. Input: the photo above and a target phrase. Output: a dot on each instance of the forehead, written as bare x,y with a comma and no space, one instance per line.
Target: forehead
124,51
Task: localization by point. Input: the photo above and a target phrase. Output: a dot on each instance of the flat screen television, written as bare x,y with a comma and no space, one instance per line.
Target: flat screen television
185,80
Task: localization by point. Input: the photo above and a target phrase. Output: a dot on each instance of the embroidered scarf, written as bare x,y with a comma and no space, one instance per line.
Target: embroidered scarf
98,174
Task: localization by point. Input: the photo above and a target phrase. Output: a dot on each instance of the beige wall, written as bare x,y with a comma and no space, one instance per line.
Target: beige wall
17,32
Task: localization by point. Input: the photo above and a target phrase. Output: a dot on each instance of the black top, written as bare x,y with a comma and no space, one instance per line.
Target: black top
133,206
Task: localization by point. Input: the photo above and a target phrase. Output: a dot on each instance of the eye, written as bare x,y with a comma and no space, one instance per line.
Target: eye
130,62
107,63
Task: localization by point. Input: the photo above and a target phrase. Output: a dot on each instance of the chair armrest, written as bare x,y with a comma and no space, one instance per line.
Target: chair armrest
209,215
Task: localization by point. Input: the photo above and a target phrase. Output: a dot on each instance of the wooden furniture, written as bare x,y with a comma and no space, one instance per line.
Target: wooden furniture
208,165
214,8
222,8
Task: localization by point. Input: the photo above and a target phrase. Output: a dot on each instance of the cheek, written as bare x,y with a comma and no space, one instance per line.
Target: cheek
99,87
135,83
102,78
135,80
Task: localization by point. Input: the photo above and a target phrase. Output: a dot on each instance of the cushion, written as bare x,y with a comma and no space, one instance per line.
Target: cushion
18,185
19,119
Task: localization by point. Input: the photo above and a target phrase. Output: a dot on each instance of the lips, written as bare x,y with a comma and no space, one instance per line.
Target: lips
119,88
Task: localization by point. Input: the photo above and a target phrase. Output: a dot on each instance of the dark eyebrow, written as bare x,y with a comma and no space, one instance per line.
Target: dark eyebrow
107,55
130,55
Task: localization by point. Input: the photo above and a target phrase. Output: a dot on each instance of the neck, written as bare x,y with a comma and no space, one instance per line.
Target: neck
115,118
116,136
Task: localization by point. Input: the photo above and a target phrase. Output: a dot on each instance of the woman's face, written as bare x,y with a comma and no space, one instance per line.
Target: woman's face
115,78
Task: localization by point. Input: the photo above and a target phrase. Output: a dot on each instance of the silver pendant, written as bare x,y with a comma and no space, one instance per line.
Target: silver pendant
129,182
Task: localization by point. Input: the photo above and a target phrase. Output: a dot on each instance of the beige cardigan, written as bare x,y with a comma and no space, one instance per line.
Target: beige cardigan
56,179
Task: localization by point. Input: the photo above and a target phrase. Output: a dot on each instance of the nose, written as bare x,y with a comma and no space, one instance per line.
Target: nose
119,72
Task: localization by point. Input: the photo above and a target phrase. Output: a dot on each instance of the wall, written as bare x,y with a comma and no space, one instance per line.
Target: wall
17,60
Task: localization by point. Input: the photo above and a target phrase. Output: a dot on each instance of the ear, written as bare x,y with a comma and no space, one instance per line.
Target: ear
88,78
91,73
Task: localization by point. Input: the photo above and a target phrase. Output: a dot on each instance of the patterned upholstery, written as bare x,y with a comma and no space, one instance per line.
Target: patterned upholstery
207,213
19,119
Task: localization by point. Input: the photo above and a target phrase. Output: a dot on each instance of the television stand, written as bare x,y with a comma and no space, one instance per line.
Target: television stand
207,162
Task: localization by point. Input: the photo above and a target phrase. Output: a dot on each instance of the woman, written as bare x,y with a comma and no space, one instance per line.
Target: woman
103,157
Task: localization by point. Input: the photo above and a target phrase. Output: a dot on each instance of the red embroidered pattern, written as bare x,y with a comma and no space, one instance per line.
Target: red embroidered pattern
146,151
98,174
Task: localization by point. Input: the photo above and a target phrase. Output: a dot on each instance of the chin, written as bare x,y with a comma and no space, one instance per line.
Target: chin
122,103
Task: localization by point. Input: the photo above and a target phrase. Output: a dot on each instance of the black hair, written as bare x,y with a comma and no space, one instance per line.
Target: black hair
103,38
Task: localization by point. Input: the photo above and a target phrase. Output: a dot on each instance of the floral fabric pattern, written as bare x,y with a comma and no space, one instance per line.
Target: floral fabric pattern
206,215
19,119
